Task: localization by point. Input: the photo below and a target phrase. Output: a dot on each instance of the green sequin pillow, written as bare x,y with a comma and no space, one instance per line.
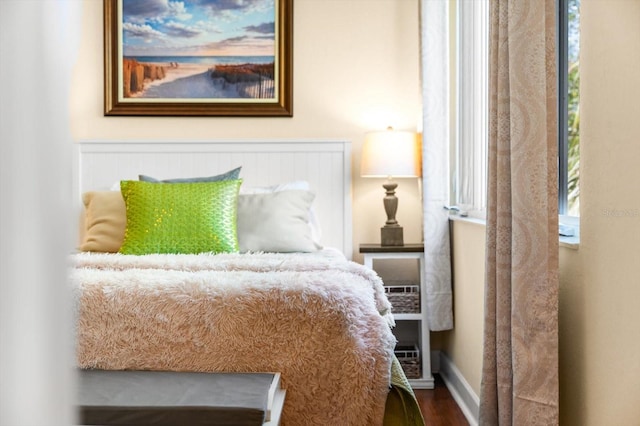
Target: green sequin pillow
180,217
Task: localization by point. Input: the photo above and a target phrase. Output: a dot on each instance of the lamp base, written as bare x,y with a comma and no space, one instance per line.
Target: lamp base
391,235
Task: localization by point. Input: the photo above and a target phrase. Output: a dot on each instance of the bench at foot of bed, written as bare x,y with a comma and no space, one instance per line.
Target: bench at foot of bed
109,397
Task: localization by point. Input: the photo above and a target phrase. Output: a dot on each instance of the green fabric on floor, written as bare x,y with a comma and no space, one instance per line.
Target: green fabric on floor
402,408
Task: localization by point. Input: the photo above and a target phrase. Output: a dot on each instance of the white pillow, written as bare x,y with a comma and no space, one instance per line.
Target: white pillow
314,224
298,184
275,222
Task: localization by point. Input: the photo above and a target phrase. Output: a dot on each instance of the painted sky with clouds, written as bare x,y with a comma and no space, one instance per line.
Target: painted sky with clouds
198,27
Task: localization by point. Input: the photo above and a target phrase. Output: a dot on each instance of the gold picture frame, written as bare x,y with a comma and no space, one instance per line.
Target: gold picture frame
188,62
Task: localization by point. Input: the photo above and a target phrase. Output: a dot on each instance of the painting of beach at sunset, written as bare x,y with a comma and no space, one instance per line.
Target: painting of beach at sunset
197,52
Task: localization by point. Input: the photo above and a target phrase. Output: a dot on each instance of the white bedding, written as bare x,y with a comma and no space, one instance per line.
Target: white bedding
322,321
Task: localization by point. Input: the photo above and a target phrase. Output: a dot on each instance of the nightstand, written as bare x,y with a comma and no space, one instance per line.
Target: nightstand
402,271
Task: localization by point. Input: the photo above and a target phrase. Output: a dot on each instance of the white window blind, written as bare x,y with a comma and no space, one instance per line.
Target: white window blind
470,163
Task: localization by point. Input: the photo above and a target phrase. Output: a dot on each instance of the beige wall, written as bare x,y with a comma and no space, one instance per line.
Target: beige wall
600,315
463,344
600,282
355,69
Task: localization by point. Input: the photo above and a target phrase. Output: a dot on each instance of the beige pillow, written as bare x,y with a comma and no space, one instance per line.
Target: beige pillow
105,221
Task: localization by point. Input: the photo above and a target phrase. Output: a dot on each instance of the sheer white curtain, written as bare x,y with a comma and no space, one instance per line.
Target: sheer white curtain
38,43
434,33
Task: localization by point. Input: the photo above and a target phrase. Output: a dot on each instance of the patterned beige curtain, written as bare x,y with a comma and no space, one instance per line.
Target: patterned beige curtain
520,366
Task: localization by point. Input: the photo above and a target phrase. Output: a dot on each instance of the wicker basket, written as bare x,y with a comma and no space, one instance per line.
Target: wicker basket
404,299
409,357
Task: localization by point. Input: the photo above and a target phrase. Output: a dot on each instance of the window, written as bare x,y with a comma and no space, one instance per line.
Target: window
469,156
569,111
470,139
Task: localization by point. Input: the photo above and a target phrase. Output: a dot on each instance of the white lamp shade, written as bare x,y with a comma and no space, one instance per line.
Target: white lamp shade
391,153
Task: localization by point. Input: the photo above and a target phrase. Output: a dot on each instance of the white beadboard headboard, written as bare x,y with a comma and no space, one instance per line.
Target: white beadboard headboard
325,164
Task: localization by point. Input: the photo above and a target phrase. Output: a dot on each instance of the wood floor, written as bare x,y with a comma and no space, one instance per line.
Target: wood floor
438,406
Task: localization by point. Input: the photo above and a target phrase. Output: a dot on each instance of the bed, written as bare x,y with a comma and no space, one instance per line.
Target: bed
270,289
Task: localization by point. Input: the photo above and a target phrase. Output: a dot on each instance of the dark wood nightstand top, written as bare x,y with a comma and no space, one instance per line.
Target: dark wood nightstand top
377,248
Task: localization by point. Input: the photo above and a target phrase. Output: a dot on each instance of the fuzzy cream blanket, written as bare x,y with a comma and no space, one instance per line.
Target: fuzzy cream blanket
320,320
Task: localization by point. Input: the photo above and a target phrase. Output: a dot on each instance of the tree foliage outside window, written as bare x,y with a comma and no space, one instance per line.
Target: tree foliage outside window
573,108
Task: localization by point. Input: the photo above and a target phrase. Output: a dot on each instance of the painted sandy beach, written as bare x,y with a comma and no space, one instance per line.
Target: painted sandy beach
177,51
184,80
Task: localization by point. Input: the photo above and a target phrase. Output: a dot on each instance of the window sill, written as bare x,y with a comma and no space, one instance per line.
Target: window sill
572,223
572,243
468,219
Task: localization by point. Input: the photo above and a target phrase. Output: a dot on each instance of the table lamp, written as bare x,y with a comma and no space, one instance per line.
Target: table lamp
391,154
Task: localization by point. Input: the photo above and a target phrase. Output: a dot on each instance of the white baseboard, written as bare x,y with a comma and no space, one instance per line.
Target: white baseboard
459,388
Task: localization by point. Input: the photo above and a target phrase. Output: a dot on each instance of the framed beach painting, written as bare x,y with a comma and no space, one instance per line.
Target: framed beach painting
198,57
